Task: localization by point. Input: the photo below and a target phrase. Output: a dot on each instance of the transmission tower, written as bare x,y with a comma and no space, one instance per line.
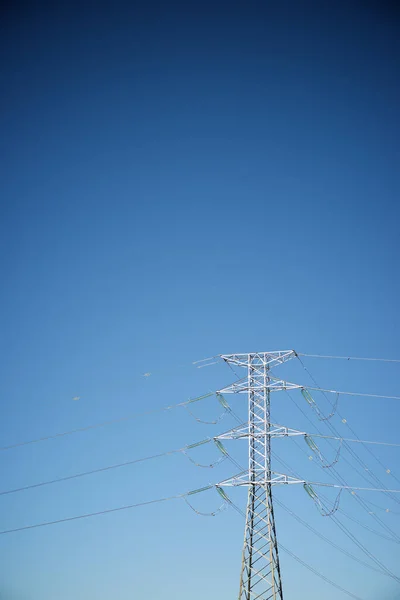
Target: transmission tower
260,573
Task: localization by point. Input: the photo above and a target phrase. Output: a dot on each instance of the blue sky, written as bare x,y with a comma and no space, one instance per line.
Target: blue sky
178,182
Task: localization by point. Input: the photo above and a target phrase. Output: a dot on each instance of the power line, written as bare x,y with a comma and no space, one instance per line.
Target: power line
386,510
109,510
353,432
358,441
382,568
88,515
327,540
378,533
388,360
365,501
350,428
361,394
339,438
351,536
105,423
182,450
350,487
339,478
318,574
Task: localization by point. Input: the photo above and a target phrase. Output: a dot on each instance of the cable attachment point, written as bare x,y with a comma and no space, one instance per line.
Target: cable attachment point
216,421
322,509
202,514
313,446
310,400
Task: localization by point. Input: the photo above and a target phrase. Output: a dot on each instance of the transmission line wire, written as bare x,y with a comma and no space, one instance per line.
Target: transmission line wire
182,450
388,360
109,422
332,428
339,524
378,533
361,394
386,510
318,574
351,487
110,510
358,441
382,568
339,478
88,515
325,539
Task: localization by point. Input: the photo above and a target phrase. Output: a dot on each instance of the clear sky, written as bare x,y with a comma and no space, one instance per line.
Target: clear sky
180,180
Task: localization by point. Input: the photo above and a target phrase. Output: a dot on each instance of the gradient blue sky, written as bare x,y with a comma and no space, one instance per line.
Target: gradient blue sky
179,181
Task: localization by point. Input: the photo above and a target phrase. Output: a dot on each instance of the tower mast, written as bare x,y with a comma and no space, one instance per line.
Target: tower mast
260,573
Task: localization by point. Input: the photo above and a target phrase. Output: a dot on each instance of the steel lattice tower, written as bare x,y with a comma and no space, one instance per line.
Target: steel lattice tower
260,574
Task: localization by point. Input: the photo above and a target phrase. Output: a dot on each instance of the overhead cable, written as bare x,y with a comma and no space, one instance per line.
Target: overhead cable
110,422
107,511
325,511
388,360
339,478
361,394
184,450
352,452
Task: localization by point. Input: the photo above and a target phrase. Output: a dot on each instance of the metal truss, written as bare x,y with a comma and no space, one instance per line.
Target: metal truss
245,479
273,385
244,432
260,574
260,359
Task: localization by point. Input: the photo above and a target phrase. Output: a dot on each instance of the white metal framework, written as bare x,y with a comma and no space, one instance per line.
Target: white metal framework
260,574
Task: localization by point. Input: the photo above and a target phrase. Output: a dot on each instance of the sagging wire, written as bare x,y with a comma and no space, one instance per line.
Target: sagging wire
394,537
359,460
204,514
310,400
223,403
198,512
313,446
322,509
218,444
383,509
